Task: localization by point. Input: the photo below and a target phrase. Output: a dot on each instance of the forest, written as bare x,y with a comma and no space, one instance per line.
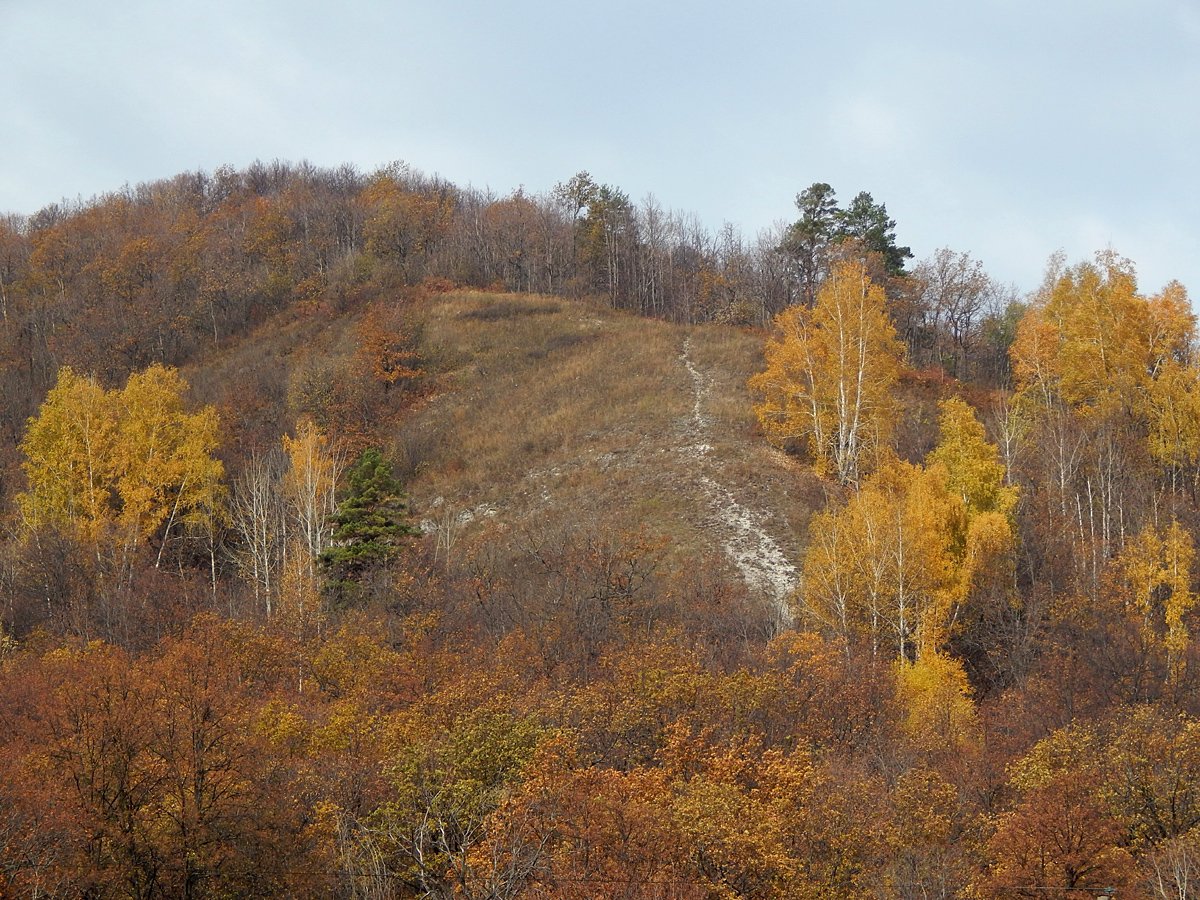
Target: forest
367,536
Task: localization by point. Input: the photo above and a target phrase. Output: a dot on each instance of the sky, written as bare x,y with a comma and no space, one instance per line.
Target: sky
1009,129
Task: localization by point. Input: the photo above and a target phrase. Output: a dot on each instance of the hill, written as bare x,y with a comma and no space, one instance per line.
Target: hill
367,537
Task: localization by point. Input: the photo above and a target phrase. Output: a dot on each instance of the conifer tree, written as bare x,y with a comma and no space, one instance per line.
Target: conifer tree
368,527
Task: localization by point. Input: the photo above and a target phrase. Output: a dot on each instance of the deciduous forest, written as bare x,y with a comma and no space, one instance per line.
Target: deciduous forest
368,536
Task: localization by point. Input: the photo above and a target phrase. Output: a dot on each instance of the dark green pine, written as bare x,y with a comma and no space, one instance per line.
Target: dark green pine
368,527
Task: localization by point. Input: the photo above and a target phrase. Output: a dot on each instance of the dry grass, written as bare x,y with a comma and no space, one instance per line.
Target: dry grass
251,380
554,414
761,476
537,400
543,416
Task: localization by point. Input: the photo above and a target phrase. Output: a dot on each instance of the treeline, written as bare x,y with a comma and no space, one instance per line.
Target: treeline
581,734
157,272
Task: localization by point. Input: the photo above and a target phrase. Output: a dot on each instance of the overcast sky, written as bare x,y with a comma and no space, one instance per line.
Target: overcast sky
1006,128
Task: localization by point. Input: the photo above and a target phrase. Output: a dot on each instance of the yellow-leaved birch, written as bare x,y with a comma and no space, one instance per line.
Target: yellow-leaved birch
830,375
69,452
878,571
310,487
131,460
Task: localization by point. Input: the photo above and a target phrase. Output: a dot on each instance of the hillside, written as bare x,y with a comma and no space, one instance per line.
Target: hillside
552,415
542,419
364,537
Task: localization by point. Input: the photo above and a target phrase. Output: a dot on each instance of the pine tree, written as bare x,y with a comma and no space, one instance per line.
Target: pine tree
368,527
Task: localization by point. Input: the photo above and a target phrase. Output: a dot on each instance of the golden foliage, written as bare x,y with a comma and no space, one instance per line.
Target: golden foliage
70,450
830,374
131,458
1157,567
936,700
896,563
973,467
1093,344
879,569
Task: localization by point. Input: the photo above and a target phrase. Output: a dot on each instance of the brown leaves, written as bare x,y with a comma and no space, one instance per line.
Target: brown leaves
157,778
387,344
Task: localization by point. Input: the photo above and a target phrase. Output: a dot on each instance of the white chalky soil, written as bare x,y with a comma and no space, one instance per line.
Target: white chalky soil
755,554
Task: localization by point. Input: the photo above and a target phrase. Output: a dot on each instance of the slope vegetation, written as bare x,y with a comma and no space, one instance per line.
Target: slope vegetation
555,416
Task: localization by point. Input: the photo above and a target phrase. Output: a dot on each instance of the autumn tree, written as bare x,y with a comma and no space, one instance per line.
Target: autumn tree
879,571
1063,832
387,346
1060,836
1174,423
898,565
983,529
982,541
402,224
1086,341
259,519
762,822
1157,570
830,375
956,294
133,459
1106,377
935,698
282,508
160,783
168,471
310,485
523,243
70,450
1173,402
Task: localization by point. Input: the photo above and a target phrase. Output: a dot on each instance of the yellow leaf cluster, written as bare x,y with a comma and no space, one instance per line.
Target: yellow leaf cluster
973,467
936,698
879,569
1094,345
983,533
1157,567
894,566
133,458
830,375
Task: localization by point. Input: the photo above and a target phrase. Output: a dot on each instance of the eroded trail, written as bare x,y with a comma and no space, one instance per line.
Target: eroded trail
756,555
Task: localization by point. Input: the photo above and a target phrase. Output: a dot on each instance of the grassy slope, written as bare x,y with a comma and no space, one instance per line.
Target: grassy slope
555,414
548,416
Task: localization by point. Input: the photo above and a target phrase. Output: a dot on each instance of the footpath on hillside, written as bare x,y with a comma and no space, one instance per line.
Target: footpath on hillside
754,553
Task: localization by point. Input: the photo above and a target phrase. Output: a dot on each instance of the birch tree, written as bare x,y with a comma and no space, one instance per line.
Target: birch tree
310,485
134,460
880,571
830,375
261,523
